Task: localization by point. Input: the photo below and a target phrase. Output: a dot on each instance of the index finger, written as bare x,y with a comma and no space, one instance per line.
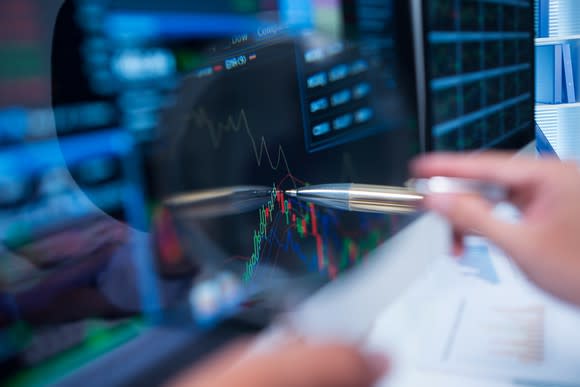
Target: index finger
494,167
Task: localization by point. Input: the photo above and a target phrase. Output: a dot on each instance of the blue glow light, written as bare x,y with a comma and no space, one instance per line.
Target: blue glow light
172,25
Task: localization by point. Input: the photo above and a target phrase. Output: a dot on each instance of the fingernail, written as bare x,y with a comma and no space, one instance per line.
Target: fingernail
439,203
378,363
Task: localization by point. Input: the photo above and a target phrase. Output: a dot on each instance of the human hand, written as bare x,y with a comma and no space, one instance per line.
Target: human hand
294,364
545,243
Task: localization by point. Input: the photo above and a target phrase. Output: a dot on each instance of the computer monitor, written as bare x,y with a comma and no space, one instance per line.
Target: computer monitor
290,104
479,66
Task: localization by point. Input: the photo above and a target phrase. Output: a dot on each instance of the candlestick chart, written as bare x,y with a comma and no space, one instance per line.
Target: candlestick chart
313,235
286,233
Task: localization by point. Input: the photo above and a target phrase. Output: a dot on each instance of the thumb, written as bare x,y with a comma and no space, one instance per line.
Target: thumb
472,214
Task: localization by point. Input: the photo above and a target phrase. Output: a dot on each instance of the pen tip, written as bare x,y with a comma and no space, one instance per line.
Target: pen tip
291,192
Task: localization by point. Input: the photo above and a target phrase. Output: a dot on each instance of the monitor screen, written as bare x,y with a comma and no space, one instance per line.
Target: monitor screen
286,105
480,74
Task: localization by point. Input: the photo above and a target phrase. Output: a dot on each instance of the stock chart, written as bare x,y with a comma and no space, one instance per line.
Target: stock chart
287,233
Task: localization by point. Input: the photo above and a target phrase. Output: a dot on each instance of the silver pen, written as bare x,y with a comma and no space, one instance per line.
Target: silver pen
360,197
386,199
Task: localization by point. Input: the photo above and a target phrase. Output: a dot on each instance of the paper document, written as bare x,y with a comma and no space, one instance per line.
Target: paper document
499,326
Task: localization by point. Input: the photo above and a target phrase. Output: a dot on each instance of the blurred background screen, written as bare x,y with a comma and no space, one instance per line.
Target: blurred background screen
480,73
